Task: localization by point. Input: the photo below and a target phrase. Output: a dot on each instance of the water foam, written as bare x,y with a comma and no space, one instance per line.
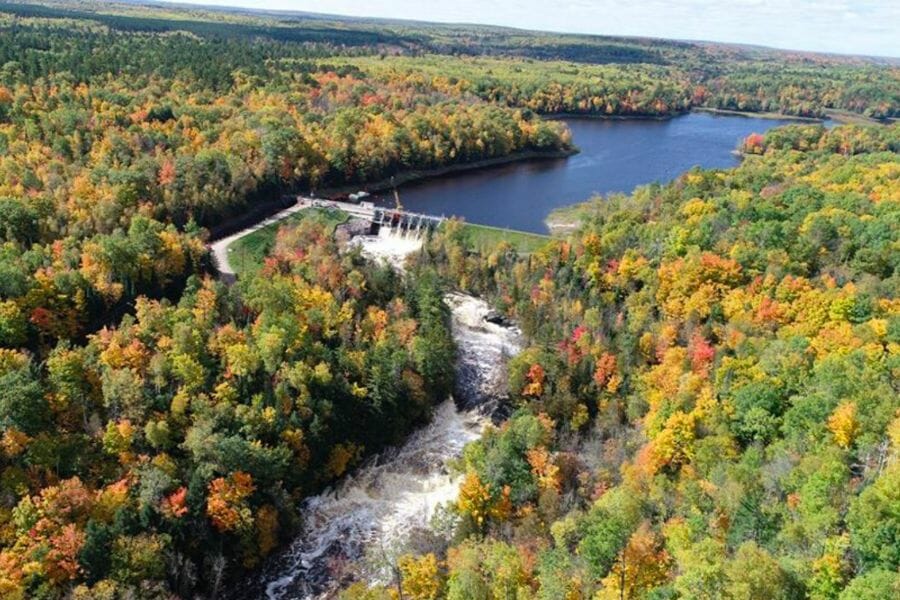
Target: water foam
398,491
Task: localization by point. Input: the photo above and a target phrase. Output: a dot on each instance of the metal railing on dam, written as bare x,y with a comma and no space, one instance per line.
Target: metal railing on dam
379,216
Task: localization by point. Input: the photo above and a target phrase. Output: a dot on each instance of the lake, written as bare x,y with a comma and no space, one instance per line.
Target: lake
616,156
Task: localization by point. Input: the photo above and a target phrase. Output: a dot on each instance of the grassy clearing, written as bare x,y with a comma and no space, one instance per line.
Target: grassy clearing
247,254
483,237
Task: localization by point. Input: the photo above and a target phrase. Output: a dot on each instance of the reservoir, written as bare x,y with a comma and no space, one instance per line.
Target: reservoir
615,156
353,529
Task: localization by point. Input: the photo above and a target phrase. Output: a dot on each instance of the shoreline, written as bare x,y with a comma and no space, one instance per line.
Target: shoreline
566,219
831,114
423,174
773,116
695,109
267,210
845,117
840,116
606,117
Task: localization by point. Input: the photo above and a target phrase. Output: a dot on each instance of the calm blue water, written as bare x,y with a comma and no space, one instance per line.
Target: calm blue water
616,156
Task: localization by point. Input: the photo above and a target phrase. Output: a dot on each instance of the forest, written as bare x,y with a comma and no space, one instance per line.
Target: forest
710,387
710,403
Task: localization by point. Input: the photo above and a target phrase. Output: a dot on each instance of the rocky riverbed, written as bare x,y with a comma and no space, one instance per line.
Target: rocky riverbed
354,529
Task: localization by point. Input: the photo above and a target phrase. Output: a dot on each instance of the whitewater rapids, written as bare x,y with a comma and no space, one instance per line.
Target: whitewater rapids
389,245
376,509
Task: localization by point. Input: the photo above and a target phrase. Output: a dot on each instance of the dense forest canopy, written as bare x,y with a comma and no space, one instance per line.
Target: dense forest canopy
711,387
710,405
210,47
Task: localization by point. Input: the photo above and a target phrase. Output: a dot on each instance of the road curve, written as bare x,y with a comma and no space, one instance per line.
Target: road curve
365,210
219,248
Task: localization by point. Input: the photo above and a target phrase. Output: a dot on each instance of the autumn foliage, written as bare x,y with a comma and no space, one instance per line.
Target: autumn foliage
708,404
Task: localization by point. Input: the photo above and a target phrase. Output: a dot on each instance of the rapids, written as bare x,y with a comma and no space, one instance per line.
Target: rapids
376,509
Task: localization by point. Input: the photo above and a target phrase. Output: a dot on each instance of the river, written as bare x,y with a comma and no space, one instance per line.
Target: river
352,530
349,530
616,155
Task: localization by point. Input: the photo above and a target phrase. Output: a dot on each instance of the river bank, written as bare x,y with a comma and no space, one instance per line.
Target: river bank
584,150
422,174
357,529
840,116
281,207
843,117
567,219
616,155
605,117
695,109
416,177
774,116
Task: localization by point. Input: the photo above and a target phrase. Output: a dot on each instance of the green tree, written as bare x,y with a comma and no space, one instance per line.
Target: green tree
752,574
876,584
605,536
18,222
874,521
22,401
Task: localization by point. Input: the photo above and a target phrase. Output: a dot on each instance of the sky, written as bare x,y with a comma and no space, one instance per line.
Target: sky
870,27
